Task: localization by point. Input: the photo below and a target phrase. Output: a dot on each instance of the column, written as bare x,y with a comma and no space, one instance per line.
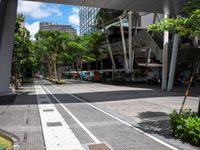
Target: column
173,62
165,58
124,45
6,45
148,57
2,16
130,26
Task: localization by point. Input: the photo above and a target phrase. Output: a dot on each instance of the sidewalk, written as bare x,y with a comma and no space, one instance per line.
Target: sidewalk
148,108
145,107
21,118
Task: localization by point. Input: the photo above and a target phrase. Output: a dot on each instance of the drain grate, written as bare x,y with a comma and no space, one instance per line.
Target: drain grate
54,124
48,110
45,102
25,137
98,147
27,120
42,96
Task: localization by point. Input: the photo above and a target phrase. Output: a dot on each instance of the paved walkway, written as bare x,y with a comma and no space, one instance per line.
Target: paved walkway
22,119
122,118
145,107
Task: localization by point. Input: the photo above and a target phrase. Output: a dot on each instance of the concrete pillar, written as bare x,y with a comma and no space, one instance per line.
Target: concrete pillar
148,57
136,23
154,18
2,16
6,46
130,26
173,63
165,58
123,44
111,54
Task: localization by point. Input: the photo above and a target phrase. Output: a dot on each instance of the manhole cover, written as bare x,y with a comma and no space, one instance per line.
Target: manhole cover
47,110
54,124
98,147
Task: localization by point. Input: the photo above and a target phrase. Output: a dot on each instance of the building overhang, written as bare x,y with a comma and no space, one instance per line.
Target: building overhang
171,7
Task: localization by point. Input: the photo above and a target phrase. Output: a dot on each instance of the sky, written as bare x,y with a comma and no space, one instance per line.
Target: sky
36,12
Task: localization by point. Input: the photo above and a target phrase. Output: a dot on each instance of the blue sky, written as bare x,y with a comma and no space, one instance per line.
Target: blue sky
36,12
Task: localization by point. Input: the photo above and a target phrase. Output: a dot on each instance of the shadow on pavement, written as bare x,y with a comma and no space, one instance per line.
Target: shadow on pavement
156,123
118,95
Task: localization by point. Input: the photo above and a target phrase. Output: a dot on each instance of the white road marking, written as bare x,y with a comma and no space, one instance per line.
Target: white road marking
55,137
122,121
77,121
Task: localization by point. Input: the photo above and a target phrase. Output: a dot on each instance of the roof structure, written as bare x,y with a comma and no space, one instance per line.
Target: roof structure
171,7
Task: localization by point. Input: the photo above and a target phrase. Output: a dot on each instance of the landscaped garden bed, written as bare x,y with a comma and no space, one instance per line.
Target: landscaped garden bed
5,143
186,126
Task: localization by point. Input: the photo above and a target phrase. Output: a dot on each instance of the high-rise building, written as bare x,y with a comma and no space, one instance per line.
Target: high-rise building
87,19
52,26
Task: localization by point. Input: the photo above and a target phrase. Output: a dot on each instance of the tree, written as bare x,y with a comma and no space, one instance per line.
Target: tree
23,54
54,43
188,24
95,45
79,50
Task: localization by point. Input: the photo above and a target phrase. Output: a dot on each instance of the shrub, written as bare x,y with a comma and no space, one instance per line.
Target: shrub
186,126
58,81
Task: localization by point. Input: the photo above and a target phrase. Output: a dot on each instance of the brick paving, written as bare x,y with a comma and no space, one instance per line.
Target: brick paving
22,119
144,107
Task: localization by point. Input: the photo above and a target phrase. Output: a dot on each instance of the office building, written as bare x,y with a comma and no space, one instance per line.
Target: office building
87,19
52,26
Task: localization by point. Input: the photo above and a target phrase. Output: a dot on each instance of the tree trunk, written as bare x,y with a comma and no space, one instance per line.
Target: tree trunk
97,64
73,70
55,70
59,72
49,70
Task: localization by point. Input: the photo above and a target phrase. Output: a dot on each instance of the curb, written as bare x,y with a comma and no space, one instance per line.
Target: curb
12,138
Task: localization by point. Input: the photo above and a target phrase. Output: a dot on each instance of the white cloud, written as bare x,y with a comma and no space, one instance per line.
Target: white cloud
37,9
33,28
74,17
75,10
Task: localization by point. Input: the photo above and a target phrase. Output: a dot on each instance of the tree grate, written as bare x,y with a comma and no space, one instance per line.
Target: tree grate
54,124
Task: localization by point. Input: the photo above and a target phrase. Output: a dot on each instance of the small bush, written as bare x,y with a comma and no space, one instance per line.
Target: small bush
56,81
186,126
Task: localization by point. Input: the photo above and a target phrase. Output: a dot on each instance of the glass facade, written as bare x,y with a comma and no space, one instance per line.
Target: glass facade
87,19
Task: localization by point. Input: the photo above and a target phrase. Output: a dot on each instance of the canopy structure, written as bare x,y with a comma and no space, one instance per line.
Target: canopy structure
8,12
155,6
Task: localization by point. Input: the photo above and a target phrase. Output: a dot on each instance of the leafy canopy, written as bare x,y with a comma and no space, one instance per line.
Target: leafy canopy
187,24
